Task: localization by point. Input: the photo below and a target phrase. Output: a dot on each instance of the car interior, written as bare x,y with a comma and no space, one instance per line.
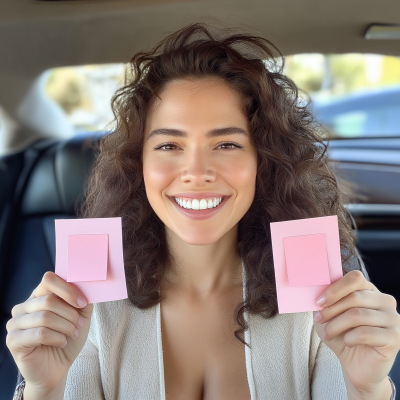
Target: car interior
44,168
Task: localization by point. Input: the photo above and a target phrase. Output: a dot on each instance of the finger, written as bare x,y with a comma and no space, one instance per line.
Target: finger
358,298
51,303
355,317
52,283
45,319
354,280
23,340
373,336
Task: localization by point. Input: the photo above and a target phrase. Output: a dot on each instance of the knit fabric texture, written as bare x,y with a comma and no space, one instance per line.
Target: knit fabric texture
122,358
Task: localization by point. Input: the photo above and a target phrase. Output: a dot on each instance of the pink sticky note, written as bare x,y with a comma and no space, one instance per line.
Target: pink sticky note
113,287
307,260
87,258
302,298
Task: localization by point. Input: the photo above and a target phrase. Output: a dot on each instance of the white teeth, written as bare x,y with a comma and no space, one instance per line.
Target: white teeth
196,204
203,204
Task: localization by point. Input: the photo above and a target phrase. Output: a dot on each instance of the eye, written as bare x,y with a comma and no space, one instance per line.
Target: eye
172,146
165,147
230,146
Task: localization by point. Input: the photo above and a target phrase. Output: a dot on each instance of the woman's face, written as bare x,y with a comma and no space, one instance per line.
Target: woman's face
198,150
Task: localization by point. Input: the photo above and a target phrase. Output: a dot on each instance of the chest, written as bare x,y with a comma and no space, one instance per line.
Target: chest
202,358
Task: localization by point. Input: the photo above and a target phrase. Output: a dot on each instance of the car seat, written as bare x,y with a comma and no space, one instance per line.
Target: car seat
50,181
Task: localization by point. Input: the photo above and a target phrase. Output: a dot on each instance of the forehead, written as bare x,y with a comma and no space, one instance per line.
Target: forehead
206,102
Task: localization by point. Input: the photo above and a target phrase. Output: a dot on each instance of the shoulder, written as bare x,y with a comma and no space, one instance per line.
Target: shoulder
119,308
109,308
284,322
290,334
120,317
288,345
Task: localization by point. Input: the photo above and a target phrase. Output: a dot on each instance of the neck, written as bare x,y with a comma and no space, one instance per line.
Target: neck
204,269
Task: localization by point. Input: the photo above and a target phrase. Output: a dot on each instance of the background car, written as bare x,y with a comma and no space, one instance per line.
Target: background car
372,113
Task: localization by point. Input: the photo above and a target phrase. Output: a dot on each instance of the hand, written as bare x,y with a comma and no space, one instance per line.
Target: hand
47,332
362,327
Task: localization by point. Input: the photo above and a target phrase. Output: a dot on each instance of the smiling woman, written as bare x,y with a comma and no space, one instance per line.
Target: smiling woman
196,84
211,145
210,116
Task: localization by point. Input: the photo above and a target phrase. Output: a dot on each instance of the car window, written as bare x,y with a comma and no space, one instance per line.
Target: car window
84,94
353,95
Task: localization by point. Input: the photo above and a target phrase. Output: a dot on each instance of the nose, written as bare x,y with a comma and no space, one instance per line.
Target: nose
197,168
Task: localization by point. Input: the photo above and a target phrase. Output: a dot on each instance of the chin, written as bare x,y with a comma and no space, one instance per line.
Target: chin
199,238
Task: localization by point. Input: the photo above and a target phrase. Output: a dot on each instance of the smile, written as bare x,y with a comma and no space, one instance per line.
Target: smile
199,209
198,204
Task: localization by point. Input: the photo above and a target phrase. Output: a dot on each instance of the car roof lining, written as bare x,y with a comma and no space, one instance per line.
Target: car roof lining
51,34
38,35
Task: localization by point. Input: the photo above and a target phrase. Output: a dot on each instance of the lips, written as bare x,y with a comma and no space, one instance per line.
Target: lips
199,214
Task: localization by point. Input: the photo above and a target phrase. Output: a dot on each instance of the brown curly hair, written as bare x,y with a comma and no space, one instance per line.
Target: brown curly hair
294,179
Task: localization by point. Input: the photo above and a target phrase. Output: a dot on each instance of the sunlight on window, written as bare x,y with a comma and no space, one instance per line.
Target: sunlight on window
353,95
85,93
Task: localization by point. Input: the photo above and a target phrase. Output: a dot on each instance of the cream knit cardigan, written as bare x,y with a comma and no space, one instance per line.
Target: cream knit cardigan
123,358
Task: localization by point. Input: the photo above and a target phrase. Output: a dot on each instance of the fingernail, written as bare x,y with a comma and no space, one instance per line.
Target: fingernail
81,322
324,335
318,316
66,342
76,333
321,300
81,302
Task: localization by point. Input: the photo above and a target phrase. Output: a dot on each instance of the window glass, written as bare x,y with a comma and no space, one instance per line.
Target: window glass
84,93
353,95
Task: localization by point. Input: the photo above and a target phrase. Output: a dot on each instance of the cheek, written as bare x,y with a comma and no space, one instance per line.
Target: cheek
157,175
242,177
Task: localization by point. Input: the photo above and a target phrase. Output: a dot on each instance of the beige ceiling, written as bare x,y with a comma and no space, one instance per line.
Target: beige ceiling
36,35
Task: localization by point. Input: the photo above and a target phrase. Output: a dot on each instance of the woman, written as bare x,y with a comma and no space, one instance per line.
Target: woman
211,145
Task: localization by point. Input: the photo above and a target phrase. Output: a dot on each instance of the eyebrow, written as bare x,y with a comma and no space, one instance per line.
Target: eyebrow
232,130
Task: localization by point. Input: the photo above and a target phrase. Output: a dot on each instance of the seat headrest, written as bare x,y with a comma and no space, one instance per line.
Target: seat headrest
73,161
58,179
